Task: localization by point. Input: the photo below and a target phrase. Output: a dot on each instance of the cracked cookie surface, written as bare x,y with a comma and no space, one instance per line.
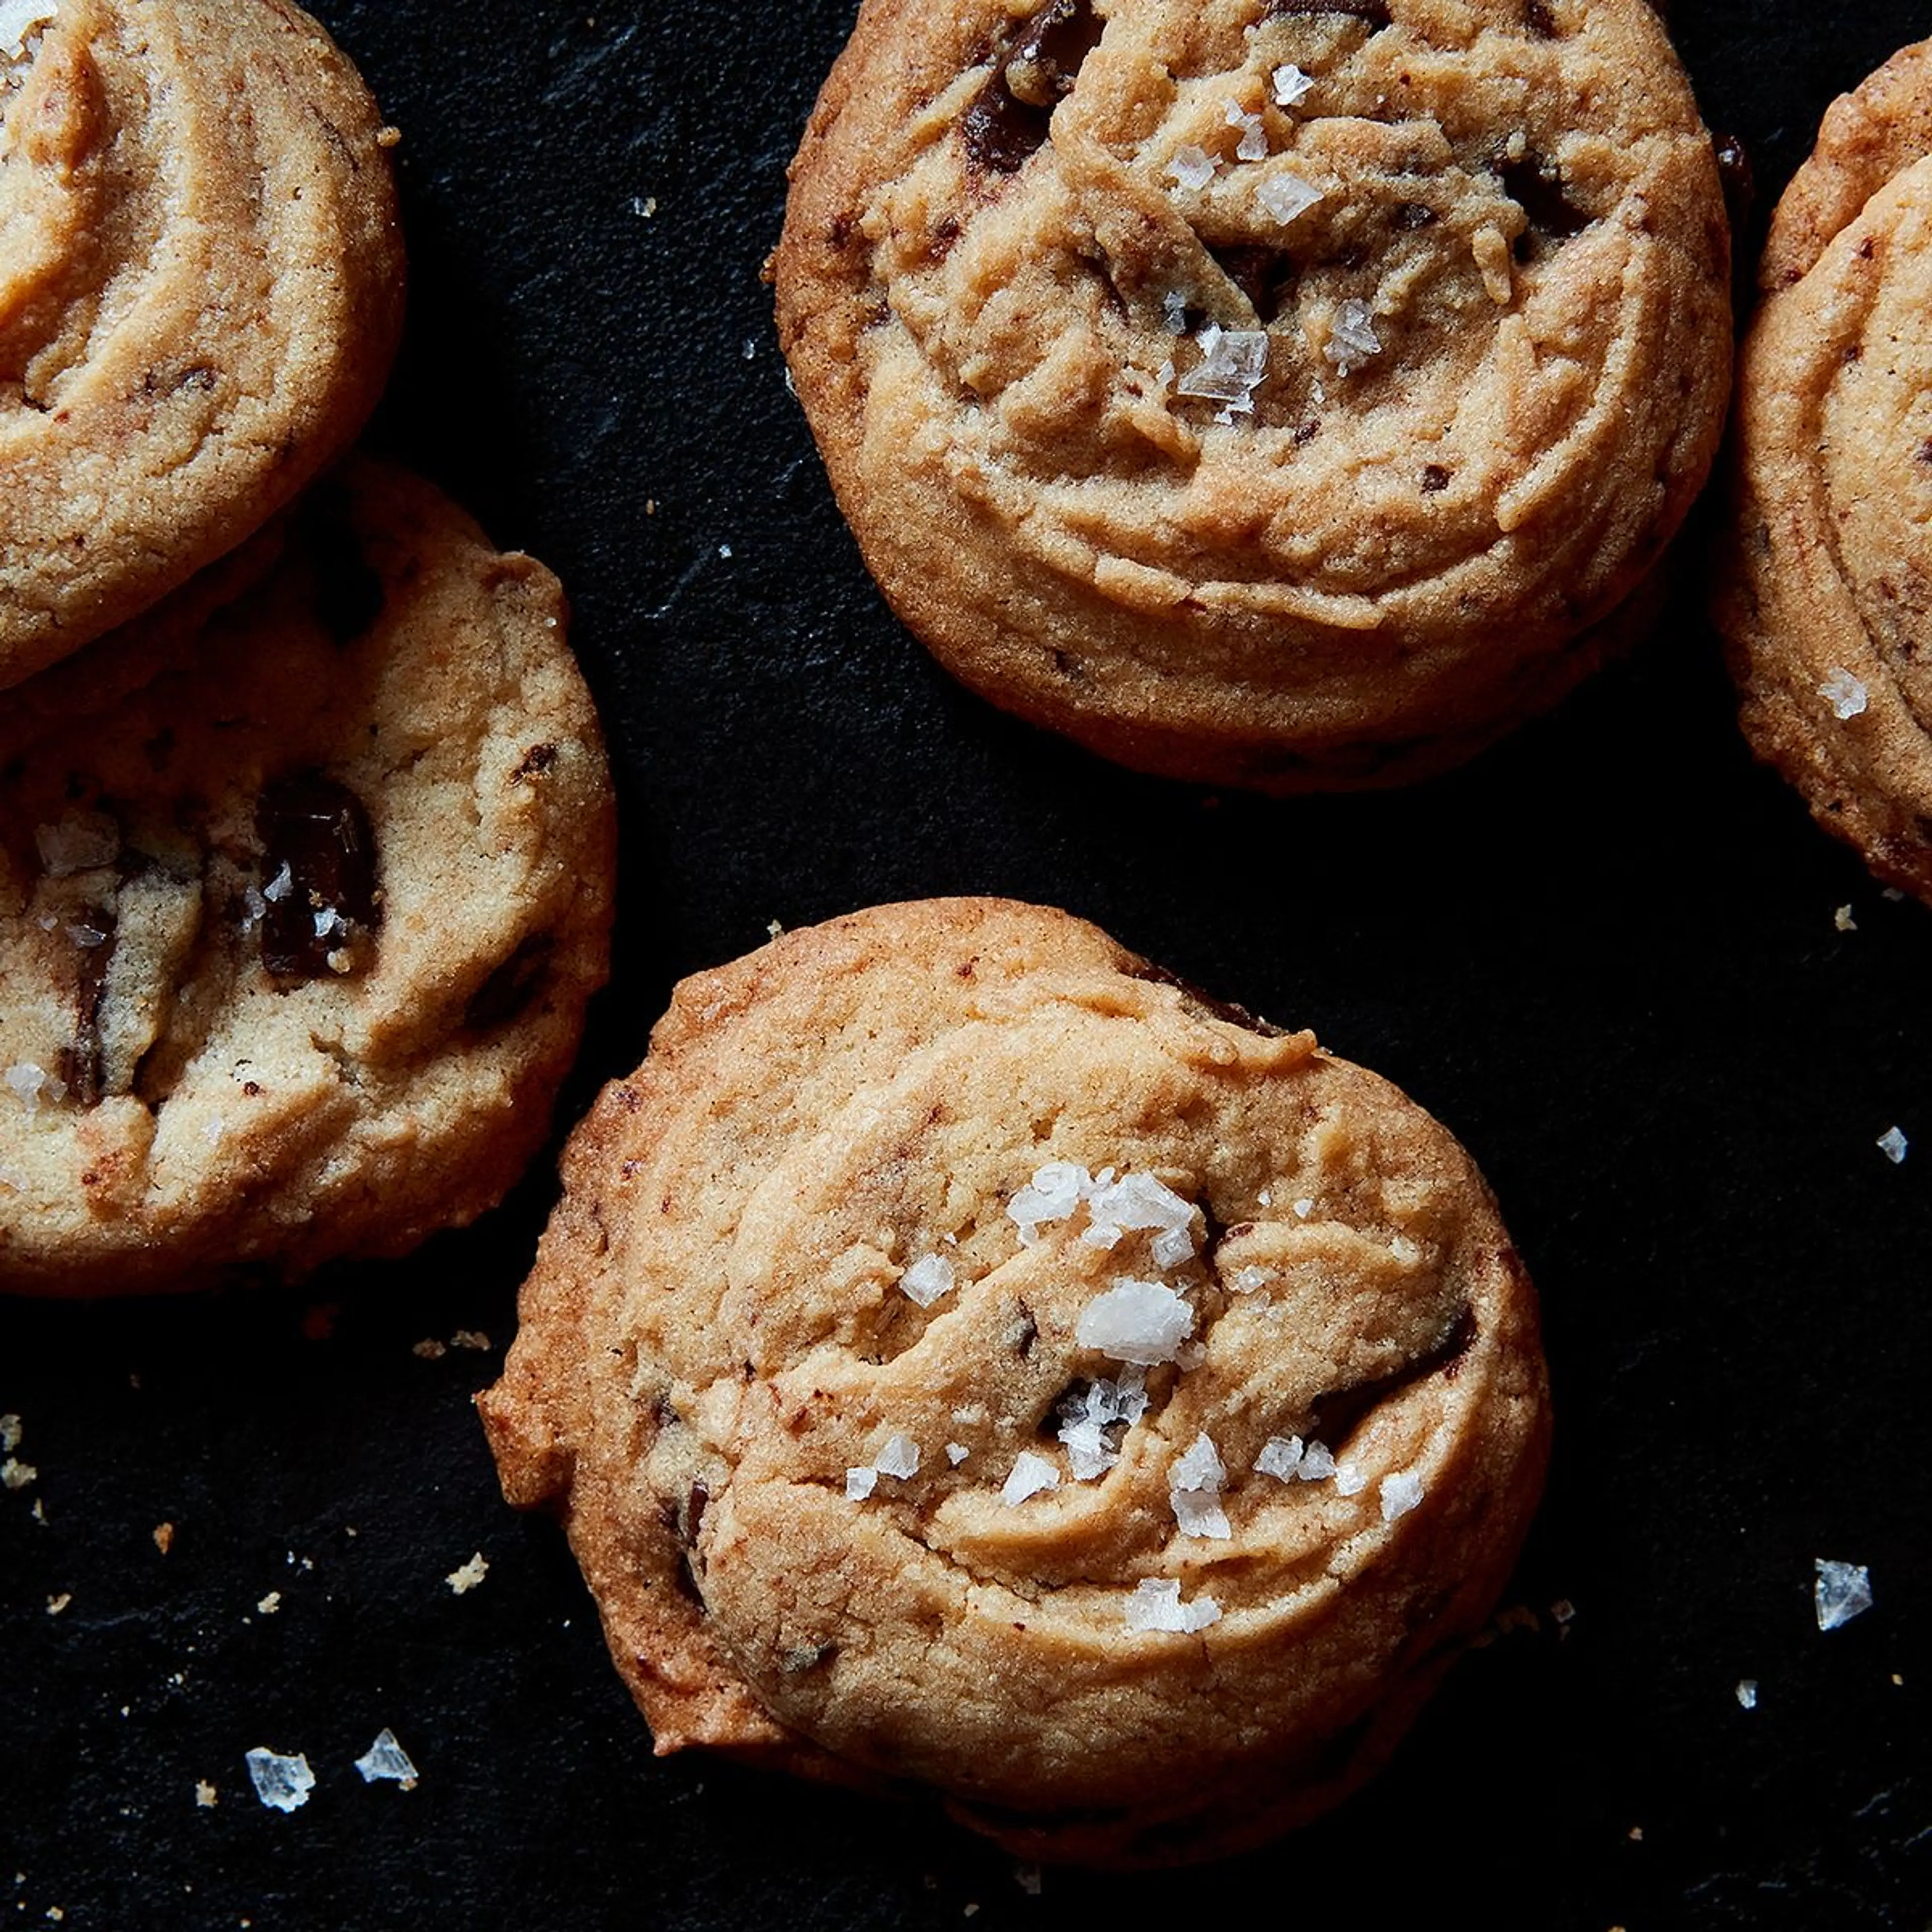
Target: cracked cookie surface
1272,393
963,1354
1825,589
305,880
201,290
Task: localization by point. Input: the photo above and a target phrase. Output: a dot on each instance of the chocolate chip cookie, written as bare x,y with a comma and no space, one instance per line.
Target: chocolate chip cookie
1825,591
201,290
305,880
1261,391
964,1354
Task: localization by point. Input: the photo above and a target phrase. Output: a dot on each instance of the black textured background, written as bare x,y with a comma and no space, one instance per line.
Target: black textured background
1606,955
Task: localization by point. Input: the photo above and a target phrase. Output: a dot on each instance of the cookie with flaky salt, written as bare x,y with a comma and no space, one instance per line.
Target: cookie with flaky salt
1825,587
1263,391
963,1355
201,292
305,878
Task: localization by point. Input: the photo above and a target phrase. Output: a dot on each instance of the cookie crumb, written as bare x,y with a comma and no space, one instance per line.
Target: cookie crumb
282,1784
1746,1693
57,1604
10,1432
1845,694
386,1759
269,1604
1843,919
1842,1591
429,1348
164,1537
205,1795
469,1575
15,1474
1892,1144
472,1339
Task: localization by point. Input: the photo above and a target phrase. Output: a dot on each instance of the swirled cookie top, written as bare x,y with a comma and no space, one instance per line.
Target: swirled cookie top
1223,293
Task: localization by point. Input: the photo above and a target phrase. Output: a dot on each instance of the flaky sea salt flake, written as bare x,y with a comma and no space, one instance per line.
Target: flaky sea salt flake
1352,339
1892,1144
1400,1493
898,1458
79,843
1280,1456
386,1760
1233,363
860,1482
282,1784
956,1452
1192,167
1286,197
1155,1605
1317,1463
1052,1195
1143,1322
1843,693
1292,86
1842,1591
927,1279
1174,312
1031,1475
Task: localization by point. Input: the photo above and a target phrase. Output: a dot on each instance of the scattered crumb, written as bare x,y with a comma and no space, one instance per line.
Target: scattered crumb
1746,1693
10,1432
644,205
1563,1614
282,1784
1892,1144
430,1349
386,1759
57,1604
1028,1877
1842,1591
269,1604
387,138
164,1537
1636,1834
1843,919
470,1338
205,1795
16,1475
1897,1677
466,1578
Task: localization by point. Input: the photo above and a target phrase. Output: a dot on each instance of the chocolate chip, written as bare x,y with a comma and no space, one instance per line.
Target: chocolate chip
999,131
1539,20
316,827
1372,13
511,986
1264,275
1008,117
81,1063
1194,1000
537,760
1434,478
348,593
1551,214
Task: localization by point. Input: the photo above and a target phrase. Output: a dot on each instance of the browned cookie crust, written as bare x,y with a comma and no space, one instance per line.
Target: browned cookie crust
201,290
1256,391
929,1358
1825,588
302,896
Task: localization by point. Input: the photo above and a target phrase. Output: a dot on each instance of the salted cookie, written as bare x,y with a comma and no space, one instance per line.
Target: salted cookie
1825,588
201,290
1261,391
300,901
963,1354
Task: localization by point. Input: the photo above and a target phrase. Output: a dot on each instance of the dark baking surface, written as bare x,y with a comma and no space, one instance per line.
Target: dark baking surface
1606,955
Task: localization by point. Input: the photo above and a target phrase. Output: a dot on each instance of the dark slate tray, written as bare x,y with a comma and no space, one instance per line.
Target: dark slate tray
1606,955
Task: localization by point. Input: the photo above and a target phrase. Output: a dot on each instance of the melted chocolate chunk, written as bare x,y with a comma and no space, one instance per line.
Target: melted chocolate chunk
317,828
1008,117
1334,1416
1434,478
348,593
1264,275
537,760
510,986
1539,20
81,1063
1372,13
1553,214
1195,1001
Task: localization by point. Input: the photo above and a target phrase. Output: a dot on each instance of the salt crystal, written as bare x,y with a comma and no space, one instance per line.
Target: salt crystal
1138,1201
724,550
1155,1605
860,1482
28,1081
1843,693
927,1279
1747,1693
1842,1592
1303,1209
282,1784
1031,1475
1139,1321
1052,1195
10,1433
1351,336
1400,1493
328,922
899,1457
78,843
1252,145
956,1452
1194,1490
1279,1456
280,886
1248,1280
1234,362
387,1759
1198,1512
1317,1463
1193,167
85,937
1174,312
644,206
1292,86
1286,197
1351,1479
1892,1144
750,348
1405,1251
466,1578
